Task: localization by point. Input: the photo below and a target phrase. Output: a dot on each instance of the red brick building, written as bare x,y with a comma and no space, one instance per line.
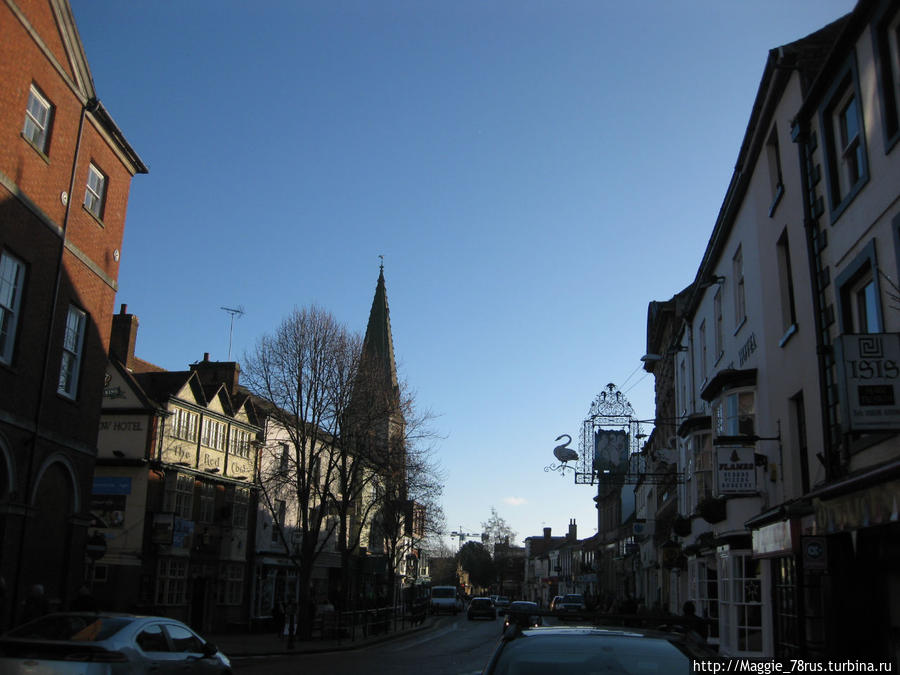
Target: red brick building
65,173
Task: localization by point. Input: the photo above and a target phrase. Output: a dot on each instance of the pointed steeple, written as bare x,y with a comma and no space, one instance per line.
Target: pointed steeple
378,345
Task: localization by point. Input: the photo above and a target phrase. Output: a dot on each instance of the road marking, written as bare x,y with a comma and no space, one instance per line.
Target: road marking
427,638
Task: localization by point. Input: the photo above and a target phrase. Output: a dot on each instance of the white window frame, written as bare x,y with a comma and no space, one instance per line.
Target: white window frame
240,507
730,413
183,496
848,141
184,424
720,325
171,582
207,501
786,286
231,584
862,296
95,192
740,596
38,122
703,351
740,298
72,353
12,280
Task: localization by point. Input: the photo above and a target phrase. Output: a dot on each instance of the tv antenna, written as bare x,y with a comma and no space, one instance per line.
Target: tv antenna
232,311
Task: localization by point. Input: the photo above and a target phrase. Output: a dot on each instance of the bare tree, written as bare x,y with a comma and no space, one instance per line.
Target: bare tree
410,511
495,530
300,377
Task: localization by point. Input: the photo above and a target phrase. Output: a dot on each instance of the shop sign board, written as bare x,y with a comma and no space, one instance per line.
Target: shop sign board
869,377
735,470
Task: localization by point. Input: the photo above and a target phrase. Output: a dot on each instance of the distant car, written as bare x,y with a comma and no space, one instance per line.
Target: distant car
572,602
523,613
85,643
554,603
580,650
481,607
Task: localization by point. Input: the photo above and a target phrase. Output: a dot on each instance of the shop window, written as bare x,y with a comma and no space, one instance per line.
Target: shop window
740,599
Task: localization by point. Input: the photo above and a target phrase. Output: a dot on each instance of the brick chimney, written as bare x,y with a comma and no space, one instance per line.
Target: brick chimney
123,337
547,531
572,534
218,372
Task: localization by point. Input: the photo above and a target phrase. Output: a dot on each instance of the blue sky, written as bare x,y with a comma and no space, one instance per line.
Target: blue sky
534,174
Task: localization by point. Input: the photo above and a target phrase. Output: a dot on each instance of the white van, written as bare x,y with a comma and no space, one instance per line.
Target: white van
445,599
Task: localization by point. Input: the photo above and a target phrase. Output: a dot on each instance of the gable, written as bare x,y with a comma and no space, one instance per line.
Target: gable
190,393
119,391
52,27
216,404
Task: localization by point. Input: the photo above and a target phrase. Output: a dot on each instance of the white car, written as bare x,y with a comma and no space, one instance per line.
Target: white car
105,643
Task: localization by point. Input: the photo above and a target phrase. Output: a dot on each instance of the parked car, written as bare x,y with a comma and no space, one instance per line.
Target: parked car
481,607
502,602
523,613
582,650
445,599
555,602
103,643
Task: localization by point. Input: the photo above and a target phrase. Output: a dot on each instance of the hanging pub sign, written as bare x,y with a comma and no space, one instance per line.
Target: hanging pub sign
735,470
869,377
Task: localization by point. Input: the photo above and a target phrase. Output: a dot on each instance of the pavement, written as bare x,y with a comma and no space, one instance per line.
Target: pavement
242,645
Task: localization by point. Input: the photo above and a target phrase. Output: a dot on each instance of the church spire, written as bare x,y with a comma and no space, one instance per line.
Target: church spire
378,345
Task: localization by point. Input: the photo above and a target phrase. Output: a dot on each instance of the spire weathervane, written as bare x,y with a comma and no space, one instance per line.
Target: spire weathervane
382,262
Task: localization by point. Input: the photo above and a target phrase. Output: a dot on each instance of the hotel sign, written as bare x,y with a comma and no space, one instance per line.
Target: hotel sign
869,376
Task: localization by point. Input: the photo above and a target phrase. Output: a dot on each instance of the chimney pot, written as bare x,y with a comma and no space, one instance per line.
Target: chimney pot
205,357
124,309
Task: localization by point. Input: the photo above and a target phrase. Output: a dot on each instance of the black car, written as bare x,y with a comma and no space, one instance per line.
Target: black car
481,607
581,650
524,614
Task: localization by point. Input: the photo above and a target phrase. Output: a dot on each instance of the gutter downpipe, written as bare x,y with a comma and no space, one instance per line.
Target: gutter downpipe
91,105
801,137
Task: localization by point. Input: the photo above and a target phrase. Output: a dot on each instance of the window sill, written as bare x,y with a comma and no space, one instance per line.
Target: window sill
40,152
737,329
93,215
789,333
779,193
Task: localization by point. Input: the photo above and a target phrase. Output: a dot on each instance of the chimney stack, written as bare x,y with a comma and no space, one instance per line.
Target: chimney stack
218,372
572,534
123,337
547,533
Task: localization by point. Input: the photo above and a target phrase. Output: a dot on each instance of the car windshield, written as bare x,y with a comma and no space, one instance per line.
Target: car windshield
481,602
584,654
443,593
572,598
75,627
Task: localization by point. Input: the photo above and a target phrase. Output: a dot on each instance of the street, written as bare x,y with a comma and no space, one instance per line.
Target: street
452,647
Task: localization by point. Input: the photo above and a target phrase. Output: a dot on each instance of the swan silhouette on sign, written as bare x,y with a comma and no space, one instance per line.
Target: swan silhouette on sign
563,452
